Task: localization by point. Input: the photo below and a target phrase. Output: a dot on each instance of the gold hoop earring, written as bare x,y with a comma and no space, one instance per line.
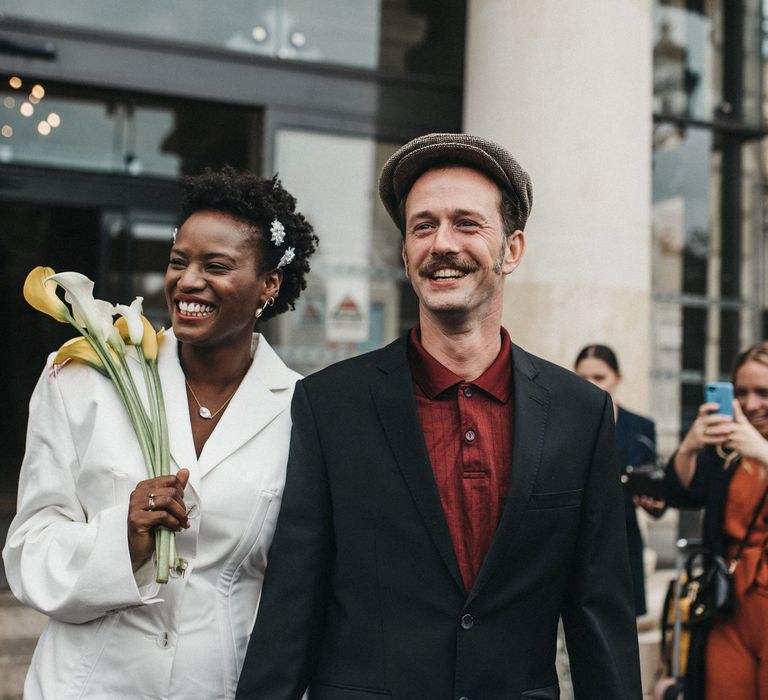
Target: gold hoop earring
268,302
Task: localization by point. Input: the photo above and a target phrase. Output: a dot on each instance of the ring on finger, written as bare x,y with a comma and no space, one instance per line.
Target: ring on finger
151,502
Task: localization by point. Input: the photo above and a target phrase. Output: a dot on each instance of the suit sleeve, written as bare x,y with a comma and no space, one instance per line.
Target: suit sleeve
71,565
598,615
282,652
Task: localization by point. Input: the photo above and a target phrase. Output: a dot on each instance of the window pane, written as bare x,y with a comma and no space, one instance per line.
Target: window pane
687,57
419,36
108,131
352,300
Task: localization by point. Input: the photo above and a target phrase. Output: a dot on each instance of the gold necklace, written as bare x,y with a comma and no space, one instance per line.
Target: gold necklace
204,411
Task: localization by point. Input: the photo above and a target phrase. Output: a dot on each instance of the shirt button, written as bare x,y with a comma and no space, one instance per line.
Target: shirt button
467,622
470,435
467,391
162,640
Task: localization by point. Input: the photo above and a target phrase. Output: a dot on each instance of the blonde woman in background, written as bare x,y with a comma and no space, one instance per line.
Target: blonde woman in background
730,659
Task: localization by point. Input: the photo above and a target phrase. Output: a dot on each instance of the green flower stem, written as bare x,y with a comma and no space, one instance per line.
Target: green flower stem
130,401
153,410
147,423
165,452
163,539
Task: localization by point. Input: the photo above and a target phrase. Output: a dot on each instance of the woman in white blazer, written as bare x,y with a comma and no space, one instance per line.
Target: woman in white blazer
80,547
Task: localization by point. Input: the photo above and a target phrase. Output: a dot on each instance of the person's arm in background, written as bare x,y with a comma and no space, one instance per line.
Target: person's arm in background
708,429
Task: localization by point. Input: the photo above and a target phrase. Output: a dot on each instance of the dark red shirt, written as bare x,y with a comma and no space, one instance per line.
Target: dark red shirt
467,428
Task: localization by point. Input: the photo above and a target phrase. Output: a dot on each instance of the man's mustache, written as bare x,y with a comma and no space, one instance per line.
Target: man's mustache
439,262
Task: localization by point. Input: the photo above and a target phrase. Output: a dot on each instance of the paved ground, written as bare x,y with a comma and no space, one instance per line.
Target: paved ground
19,629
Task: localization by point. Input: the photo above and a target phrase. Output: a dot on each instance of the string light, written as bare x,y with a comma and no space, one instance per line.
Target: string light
27,109
44,128
15,82
7,131
38,92
54,119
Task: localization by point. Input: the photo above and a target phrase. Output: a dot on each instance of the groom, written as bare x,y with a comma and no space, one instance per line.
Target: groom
450,496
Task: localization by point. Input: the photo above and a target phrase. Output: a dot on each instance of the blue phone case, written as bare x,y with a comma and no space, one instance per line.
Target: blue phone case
720,393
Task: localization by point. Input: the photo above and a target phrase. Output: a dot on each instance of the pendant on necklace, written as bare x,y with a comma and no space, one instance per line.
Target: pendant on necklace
205,413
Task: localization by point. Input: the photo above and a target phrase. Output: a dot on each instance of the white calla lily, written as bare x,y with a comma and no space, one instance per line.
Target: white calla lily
132,316
92,314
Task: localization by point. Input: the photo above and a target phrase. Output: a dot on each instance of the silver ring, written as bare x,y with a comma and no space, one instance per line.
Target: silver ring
151,502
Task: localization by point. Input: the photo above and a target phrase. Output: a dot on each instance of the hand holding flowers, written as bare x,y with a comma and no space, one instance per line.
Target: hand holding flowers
104,347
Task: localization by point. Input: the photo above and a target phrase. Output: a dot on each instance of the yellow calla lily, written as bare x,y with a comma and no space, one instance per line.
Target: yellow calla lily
150,341
41,294
122,328
79,350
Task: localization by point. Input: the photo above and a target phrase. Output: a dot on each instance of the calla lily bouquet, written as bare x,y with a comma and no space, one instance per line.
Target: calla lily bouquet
103,346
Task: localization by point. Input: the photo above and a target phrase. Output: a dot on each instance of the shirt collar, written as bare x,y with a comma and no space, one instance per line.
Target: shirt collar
434,378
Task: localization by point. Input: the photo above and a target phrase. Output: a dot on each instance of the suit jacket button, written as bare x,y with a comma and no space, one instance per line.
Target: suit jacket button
463,698
467,622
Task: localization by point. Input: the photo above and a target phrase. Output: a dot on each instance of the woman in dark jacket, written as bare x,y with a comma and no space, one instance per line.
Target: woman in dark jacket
635,445
729,658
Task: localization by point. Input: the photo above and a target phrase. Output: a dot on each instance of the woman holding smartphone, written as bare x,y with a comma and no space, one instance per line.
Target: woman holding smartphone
722,466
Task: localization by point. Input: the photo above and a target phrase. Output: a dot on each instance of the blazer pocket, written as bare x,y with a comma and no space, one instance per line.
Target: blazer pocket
123,485
551,692
332,691
559,499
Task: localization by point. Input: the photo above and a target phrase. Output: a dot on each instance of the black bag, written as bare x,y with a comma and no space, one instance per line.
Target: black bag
708,586
708,582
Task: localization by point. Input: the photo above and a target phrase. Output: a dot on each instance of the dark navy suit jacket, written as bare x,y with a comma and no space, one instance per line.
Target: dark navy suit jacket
363,597
635,445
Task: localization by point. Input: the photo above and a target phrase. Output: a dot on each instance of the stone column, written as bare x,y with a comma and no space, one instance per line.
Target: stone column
566,86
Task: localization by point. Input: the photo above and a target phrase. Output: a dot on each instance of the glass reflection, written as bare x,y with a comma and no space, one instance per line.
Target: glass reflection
112,132
687,55
404,36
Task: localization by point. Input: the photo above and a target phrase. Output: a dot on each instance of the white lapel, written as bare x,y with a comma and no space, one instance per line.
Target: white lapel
262,395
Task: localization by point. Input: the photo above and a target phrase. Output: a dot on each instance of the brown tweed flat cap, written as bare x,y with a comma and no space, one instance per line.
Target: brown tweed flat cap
417,156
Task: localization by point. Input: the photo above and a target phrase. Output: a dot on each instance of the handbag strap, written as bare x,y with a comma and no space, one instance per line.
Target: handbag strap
744,539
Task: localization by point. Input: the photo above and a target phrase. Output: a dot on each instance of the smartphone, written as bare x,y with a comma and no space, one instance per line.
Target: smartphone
720,393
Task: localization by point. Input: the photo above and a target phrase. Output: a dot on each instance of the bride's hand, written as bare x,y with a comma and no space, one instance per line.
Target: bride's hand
154,502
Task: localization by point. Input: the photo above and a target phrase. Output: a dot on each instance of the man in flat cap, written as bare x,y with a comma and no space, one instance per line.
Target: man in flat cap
450,496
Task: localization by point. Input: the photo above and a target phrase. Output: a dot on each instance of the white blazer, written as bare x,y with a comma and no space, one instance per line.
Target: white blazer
113,633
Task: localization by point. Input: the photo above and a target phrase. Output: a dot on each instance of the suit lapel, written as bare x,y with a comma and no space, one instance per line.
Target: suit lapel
262,395
531,413
392,392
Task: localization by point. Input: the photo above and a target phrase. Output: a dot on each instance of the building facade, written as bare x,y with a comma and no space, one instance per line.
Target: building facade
642,123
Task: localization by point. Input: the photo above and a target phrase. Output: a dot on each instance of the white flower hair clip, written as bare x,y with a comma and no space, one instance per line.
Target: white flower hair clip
175,233
278,232
288,255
